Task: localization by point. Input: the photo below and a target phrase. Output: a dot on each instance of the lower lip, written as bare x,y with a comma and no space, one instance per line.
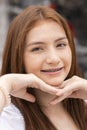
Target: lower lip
53,73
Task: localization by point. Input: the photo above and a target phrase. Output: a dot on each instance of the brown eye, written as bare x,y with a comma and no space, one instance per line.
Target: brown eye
61,45
36,49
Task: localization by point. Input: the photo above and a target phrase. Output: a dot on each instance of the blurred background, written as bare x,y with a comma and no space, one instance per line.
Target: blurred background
75,11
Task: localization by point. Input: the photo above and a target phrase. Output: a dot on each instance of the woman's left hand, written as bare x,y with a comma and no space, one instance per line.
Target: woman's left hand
74,87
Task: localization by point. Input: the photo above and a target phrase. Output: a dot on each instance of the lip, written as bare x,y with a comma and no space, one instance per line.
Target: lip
52,71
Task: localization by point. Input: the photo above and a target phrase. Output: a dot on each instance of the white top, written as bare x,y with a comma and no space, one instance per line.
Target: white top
11,119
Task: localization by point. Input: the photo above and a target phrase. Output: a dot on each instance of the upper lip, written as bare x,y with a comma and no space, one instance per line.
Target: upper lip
52,69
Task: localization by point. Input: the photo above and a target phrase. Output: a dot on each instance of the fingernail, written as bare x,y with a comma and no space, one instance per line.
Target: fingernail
59,94
53,103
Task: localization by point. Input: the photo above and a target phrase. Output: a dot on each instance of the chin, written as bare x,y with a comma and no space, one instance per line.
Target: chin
56,84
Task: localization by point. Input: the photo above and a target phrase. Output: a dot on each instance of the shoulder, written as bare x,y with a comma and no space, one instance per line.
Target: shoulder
11,119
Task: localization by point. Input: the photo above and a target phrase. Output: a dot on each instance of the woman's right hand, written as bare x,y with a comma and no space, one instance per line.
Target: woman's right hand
17,84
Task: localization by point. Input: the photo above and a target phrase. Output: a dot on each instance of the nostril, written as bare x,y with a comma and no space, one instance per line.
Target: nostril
53,60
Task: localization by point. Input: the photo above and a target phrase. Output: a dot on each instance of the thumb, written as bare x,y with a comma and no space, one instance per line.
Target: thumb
28,97
74,95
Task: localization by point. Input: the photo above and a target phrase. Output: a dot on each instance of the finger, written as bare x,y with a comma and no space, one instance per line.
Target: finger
61,96
57,100
48,89
69,89
66,94
75,95
41,85
28,97
66,82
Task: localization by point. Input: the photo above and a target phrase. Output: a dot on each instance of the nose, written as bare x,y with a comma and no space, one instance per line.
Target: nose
52,57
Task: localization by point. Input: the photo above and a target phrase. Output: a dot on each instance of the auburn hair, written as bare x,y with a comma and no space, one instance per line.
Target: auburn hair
12,62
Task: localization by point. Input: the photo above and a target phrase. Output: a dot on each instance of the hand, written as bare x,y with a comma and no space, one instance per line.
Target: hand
17,84
74,87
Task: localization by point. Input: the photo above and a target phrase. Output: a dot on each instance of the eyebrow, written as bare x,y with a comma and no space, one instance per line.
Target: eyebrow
59,39
40,42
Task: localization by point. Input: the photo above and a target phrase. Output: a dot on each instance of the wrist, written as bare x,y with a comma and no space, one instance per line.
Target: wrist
6,96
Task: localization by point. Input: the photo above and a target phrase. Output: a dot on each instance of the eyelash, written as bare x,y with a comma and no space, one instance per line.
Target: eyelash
61,45
36,49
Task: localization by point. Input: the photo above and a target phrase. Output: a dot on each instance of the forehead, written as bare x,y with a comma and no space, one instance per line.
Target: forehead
46,29
43,22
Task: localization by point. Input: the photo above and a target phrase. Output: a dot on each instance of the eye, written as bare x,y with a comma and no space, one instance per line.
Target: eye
36,49
61,45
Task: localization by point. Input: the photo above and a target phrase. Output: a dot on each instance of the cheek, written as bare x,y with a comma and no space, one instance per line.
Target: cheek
32,63
69,59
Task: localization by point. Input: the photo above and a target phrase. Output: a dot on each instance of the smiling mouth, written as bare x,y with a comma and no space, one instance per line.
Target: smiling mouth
52,70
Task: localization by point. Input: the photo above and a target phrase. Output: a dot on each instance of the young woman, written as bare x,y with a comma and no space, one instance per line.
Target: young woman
47,92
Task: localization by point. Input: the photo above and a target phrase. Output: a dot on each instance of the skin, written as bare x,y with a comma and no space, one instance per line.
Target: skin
16,85
51,54
48,49
74,87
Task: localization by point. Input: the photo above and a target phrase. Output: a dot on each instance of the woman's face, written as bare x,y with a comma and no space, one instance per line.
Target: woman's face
47,53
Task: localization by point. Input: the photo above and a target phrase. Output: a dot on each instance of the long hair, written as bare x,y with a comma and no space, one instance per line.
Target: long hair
34,118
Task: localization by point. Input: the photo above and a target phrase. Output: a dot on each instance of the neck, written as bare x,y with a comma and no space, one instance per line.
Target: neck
44,100
56,113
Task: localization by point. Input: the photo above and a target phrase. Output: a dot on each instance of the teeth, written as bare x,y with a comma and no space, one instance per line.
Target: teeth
51,70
